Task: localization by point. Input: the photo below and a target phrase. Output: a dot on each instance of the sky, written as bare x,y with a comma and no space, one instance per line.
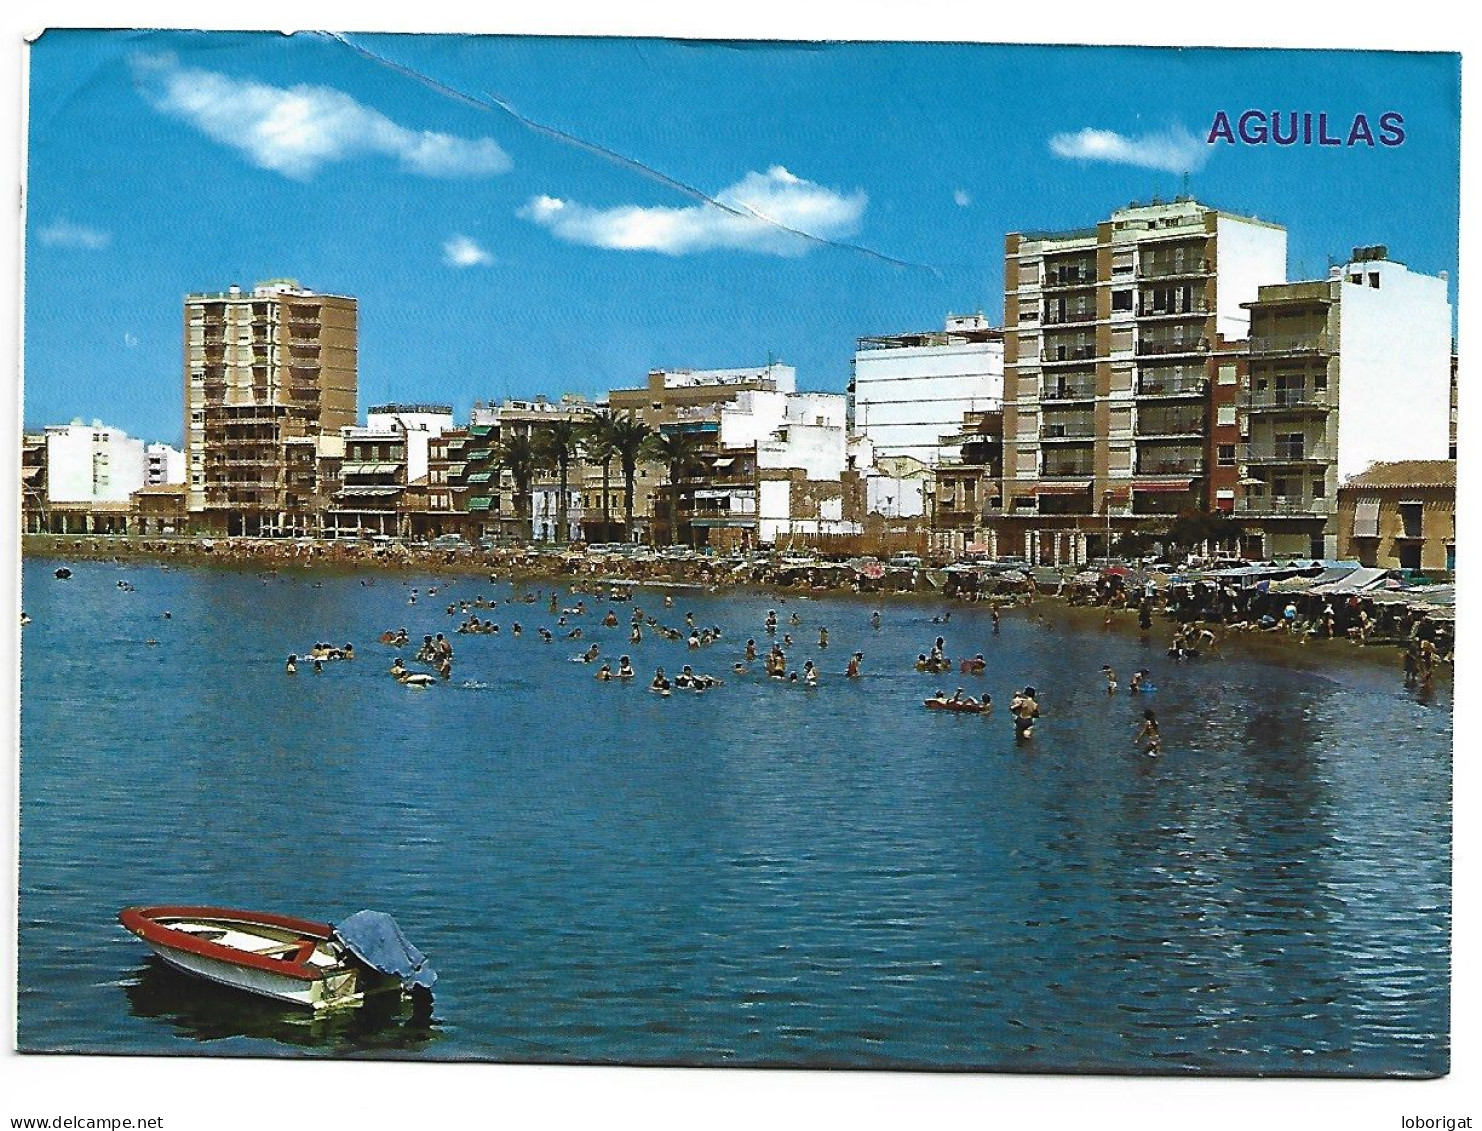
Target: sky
520,215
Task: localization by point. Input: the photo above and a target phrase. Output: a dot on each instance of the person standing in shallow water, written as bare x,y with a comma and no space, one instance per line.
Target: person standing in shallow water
1025,710
1149,734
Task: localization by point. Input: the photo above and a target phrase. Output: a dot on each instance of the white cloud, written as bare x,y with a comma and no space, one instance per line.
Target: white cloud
767,212
460,251
296,130
1175,150
961,198
64,233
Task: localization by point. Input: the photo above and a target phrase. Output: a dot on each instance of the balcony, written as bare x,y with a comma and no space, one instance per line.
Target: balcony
1300,398
1154,464
1157,424
1067,430
1079,275
1172,386
1063,354
1067,469
1193,310
1286,345
1302,506
1286,453
1153,347
1067,317
1068,390
1176,267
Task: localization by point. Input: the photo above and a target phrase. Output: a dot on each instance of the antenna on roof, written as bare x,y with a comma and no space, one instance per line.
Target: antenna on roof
1185,193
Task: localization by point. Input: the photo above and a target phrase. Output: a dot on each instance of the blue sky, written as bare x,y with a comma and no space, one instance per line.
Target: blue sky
521,215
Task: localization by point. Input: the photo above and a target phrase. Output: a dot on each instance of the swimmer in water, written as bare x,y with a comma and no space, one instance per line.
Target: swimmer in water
625,668
604,673
823,638
1134,685
292,666
875,619
1111,678
810,674
750,651
659,683
852,671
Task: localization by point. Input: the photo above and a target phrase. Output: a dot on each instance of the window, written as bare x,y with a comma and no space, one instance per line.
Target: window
1374,279
1225,416
1227,375
1320,381
1319,488
1225,455
1411,515
1121,300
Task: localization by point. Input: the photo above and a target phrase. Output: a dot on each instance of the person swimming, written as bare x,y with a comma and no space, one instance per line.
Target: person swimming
810,674
604,673
852,671
1111,678
823,638
659,683
625,668
292,666
875,619
750,650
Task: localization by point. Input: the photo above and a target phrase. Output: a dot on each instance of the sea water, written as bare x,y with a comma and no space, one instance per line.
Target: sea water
762,874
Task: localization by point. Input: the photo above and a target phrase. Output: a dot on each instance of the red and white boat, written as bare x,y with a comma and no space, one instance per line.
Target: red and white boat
282,957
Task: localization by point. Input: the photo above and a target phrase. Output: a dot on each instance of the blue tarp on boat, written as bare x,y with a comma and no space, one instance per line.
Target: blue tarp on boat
375,939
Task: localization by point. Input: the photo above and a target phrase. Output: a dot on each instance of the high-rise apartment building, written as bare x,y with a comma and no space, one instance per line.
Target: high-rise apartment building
265,372
1110,335
1345,372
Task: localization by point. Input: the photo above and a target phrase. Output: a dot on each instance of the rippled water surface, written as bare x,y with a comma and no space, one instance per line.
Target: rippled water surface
763,874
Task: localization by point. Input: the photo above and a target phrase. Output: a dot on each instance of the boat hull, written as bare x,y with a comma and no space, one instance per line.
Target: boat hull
289,960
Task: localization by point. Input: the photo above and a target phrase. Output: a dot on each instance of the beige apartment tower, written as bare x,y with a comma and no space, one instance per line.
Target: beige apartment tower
268,375
1111,334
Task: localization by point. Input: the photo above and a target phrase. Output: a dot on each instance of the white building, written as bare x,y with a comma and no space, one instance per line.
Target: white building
1344,372
163,464
418,423
545,512
93,463
909,390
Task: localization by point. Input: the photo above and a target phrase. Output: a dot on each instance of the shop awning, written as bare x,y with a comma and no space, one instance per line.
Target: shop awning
479,503
478,477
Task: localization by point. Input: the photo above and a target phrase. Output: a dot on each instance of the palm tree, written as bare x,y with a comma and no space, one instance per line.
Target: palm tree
558,442
679,452
628,438
598,447
522,457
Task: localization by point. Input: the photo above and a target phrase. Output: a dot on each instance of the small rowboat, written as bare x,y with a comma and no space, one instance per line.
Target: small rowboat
282,957
949,705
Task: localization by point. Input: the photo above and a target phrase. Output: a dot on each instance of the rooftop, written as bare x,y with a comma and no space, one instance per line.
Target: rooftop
1413,473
